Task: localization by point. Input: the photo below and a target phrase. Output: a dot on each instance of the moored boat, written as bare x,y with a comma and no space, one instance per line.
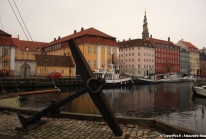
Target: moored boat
113,78
151,79
170,78
199,90
11,101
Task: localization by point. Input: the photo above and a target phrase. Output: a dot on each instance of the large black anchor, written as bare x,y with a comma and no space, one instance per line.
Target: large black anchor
92,86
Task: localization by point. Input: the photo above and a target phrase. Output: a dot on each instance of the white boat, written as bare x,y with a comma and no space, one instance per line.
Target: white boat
170,78
11,101
112,77
189,78
201,91
151,79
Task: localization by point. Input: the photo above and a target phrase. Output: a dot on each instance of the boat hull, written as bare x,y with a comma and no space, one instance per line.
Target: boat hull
201,91
119,82
143,81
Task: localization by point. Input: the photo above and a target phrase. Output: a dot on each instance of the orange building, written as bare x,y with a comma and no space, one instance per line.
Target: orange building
26,50
96,46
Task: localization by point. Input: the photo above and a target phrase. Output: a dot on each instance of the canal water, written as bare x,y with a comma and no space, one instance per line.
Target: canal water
171,102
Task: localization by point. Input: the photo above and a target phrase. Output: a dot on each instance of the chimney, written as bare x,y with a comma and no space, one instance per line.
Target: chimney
82,29
151,36
182,39
129,39
168,39
18,36
59,37
75,31
123,40
54,39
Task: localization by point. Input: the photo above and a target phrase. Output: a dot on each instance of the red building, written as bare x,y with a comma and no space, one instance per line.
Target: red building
167,56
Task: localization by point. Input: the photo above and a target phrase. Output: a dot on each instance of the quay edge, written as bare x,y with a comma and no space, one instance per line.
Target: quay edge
147,122
39,82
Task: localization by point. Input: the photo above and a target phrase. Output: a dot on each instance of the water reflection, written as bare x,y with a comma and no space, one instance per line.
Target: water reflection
172,102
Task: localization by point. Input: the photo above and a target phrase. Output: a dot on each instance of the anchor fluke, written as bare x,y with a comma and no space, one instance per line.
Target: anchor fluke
23,121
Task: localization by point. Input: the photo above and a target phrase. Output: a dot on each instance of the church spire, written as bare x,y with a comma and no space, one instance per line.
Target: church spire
145,32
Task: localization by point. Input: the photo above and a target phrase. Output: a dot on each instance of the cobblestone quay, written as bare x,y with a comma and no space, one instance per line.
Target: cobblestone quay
66,128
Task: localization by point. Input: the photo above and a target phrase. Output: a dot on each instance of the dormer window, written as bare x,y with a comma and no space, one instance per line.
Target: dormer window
27,48
38,49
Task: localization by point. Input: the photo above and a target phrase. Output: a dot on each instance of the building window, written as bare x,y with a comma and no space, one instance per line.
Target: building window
5,63
41,70
108,50
48,71
6,51
95,63
114,50
95,50
62,71
89,50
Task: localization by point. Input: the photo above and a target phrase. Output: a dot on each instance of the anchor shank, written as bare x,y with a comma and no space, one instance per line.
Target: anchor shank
98,98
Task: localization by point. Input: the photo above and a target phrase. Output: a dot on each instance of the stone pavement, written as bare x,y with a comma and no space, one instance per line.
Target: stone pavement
65,128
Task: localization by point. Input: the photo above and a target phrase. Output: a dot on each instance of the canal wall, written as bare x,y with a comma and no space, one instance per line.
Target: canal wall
38,82
148,122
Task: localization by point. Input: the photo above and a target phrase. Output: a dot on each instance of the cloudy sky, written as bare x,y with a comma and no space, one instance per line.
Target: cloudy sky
123,19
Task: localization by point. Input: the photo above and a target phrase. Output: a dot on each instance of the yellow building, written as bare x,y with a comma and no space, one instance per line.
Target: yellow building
194,56
26,50
25,64
53,63
99,49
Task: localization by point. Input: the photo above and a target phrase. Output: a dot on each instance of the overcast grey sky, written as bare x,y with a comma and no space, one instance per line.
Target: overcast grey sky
123,19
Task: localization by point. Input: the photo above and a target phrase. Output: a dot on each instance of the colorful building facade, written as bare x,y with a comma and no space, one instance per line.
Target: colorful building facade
137,57
184,61
193,56
54,63
25,63
167,56
7,53
98,48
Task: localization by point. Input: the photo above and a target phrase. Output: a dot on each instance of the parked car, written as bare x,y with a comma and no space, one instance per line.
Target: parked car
54,75
4,73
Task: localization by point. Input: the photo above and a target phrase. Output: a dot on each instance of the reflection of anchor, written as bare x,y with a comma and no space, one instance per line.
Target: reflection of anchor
92,86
